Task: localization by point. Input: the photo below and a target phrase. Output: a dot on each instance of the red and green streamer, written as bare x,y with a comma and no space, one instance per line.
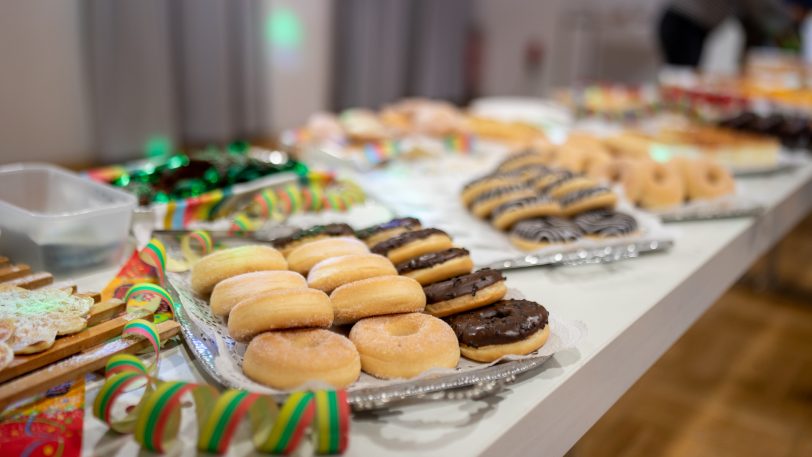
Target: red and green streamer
155,419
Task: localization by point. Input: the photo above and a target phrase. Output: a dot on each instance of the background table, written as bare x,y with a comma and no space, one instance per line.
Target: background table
634,310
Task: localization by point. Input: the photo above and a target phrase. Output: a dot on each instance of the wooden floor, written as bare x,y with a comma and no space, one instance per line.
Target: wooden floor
738,383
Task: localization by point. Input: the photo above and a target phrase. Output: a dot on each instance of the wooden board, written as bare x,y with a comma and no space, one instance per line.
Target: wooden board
32,281
78,365
96,296
104,311
70,345
9,272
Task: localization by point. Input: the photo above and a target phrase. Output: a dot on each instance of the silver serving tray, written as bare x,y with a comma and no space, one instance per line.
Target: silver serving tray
711,214
461,386
581,256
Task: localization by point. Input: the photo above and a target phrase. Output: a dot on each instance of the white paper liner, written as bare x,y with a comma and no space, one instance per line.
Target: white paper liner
228,357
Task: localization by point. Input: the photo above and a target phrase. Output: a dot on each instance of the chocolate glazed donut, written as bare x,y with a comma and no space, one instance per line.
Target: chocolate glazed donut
498,192
464,292
318,230
503,322
401,222
437,266
462,285
401,240
431,259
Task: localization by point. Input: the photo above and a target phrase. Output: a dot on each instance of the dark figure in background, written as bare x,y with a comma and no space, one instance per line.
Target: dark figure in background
686,24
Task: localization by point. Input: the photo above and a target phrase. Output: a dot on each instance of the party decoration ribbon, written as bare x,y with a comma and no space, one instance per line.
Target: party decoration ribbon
319,191
154,255
155,419
290,198
149,289
241,224
266,203
202,240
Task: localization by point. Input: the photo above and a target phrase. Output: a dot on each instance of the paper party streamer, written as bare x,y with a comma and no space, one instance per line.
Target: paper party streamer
154,255
266,202
459,143
203,241
241,224
155,420
146,288
312,197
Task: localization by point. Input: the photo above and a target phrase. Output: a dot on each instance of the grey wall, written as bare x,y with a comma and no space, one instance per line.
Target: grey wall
43,104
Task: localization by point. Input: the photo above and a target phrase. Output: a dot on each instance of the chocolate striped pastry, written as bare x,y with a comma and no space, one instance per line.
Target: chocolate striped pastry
546,230
499,192
521,161
520,203
606,223
552,178
582,194
483,179
560,179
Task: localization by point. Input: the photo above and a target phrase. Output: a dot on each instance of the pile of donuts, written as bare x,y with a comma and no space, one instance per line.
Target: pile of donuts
624,160
326,303
540,203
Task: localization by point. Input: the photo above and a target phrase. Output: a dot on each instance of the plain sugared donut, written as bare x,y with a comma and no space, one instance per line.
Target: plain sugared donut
375,297
280,309
569,157
404,345
662,186
580,151
595,160
287,359
705,178
228,292
334,272
223,264
629,173
304,257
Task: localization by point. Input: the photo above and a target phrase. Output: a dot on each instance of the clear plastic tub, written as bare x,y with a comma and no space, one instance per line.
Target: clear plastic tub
57,221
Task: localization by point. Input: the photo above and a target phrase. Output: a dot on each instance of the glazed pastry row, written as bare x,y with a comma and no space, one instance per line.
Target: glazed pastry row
539,204
294,302
486,325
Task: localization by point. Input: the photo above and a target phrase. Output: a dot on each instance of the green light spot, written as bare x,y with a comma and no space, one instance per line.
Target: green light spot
660,153
283,28
157,146
177,161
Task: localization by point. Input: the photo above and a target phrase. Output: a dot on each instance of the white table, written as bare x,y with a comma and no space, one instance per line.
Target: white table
634,310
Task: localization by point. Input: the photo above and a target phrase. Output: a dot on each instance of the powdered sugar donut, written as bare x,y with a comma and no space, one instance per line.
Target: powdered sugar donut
404,345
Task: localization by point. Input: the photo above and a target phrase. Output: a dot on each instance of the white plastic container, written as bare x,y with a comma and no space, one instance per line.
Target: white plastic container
57,221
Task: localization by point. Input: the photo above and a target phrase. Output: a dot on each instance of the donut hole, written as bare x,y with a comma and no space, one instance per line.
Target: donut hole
659,175
403,328
712,176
